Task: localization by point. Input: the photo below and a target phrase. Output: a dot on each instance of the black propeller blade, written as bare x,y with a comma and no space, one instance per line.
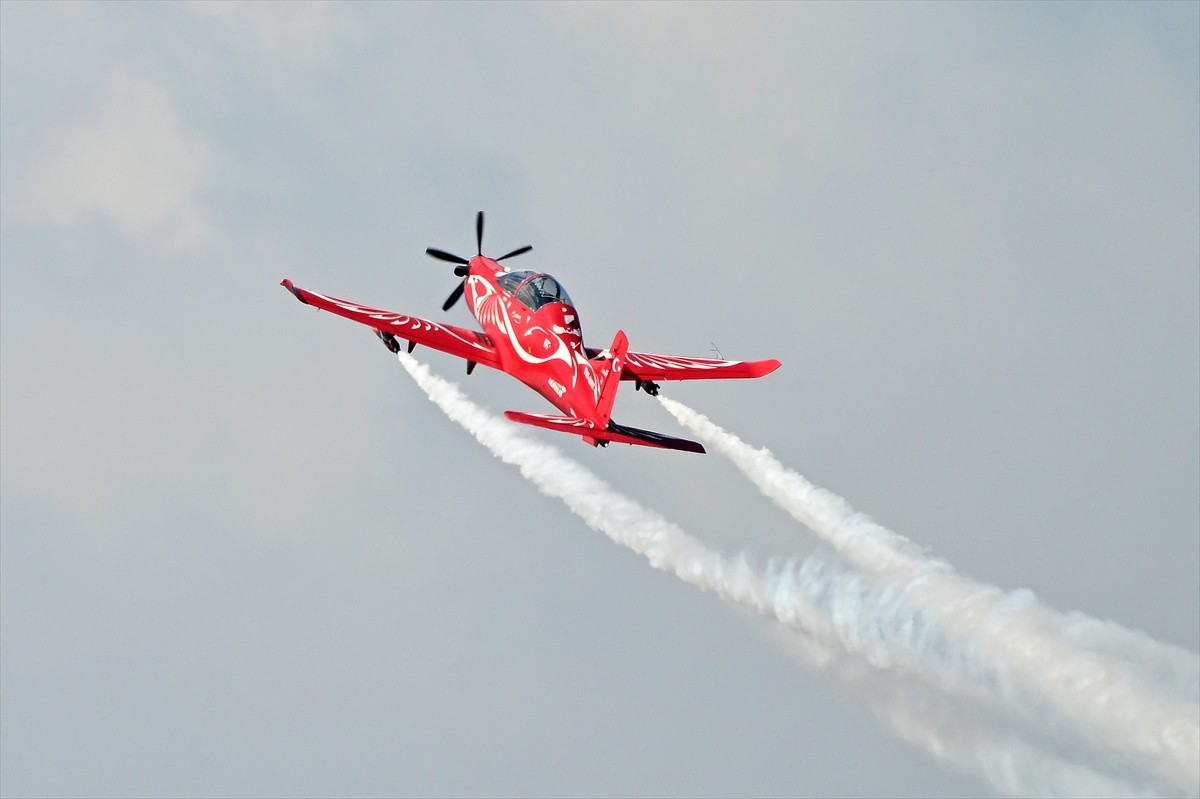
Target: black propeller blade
517,251
454,295
462,265
445,256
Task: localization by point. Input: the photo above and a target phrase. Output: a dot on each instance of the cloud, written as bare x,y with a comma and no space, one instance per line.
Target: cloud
295,35
133,162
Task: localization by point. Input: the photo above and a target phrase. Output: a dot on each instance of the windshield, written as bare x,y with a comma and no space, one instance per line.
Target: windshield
533,289
511,281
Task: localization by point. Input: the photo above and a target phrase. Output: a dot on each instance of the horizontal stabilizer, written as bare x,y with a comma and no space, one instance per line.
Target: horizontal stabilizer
613,432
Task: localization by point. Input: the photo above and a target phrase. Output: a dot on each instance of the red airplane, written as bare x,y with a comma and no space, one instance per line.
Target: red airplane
531,331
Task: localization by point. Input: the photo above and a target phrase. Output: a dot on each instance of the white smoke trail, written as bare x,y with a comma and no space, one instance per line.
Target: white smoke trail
966,646
1027,654
871,546
956,734
775,593
663,543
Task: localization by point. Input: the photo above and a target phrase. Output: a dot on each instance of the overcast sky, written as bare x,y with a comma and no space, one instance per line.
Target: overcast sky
243,555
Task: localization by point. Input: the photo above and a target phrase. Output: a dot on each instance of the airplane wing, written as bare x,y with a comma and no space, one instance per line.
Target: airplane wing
612,432
644,366
470,344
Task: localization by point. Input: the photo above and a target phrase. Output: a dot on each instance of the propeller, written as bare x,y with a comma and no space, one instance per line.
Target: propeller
454,295
445,256
518,251
462,265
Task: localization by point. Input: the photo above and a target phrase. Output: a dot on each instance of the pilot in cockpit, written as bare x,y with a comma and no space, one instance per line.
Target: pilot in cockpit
533,289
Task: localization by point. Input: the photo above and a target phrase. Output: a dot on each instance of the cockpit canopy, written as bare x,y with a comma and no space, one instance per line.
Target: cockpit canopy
533,289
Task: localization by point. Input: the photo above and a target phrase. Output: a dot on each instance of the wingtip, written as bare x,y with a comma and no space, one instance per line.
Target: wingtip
287,284
764,368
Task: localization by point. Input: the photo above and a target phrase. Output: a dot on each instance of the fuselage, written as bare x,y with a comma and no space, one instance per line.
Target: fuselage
535,329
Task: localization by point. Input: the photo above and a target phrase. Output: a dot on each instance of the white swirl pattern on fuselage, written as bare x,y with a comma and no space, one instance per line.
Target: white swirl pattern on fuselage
487,306
492,310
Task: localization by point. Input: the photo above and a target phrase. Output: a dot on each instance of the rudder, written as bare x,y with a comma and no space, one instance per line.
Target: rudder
610,377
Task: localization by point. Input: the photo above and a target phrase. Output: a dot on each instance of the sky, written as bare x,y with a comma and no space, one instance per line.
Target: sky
241,554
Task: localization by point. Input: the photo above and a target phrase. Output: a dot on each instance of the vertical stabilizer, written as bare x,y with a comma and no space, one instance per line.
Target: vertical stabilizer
610,377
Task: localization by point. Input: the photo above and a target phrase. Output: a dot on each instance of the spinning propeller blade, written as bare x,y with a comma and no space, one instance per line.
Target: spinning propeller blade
445,256
517,251
454,295
462,265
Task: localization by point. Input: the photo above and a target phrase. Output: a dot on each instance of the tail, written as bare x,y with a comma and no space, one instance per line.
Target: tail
602,436
603,430
610,377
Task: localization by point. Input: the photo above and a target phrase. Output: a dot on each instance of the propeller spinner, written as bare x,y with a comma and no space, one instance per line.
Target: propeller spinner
462,264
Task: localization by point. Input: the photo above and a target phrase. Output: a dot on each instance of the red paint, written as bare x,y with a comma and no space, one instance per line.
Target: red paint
532,332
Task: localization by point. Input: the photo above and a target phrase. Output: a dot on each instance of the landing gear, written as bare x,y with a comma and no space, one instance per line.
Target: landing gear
389,341
648,386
